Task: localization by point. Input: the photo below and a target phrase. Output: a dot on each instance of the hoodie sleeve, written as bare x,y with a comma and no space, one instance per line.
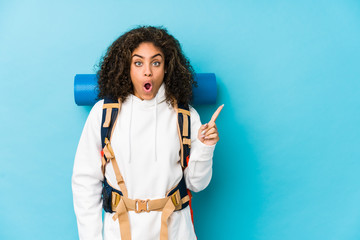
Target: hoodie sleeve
199,171
87,178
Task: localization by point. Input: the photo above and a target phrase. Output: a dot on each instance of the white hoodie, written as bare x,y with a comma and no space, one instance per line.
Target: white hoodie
146,146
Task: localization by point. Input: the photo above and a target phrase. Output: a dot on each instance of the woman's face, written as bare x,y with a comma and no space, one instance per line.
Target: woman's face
147,70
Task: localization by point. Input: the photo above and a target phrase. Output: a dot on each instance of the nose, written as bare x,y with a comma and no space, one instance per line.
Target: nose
147,71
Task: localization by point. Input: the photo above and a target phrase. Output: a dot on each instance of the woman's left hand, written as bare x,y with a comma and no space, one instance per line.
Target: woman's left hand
208,133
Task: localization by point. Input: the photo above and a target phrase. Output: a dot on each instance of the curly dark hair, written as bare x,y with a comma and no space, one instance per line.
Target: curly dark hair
114,73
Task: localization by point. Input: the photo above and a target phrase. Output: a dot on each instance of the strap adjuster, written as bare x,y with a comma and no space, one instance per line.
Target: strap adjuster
108,151
141,205
176,200
115,199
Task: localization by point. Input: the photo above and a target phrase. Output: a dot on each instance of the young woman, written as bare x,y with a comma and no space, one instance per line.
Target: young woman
146,70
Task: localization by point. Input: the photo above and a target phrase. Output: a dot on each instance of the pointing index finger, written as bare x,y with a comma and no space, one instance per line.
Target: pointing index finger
216,114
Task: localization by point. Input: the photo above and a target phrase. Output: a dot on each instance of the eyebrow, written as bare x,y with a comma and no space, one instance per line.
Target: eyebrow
136,55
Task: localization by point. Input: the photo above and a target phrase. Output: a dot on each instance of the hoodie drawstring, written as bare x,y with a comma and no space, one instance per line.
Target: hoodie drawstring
155,128
130,120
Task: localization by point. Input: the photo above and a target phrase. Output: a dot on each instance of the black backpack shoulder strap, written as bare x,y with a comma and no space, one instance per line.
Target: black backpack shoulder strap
184,131
111,110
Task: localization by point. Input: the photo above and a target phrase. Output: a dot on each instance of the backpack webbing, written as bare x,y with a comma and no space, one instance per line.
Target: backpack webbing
111,110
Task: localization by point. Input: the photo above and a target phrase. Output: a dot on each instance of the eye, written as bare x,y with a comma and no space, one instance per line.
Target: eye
138,63
156,64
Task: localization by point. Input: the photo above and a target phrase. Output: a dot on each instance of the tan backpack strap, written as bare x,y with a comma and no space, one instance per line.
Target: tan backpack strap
119,178
124,223
187,141
109,153
185,113
109,107
185,126
179,134
107,150
167,211
167,206
184,136
114,105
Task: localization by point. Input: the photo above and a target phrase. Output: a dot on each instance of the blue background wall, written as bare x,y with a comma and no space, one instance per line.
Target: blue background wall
288,163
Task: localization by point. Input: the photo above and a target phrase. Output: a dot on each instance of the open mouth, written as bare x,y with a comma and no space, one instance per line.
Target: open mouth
147,87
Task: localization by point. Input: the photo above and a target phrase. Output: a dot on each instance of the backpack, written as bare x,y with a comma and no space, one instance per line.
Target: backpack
117,201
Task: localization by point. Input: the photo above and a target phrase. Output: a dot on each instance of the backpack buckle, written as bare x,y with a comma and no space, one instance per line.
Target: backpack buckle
115,199
107,150
175,198
141,206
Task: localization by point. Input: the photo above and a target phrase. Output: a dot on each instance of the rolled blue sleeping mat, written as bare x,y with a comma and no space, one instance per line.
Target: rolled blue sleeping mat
85,91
